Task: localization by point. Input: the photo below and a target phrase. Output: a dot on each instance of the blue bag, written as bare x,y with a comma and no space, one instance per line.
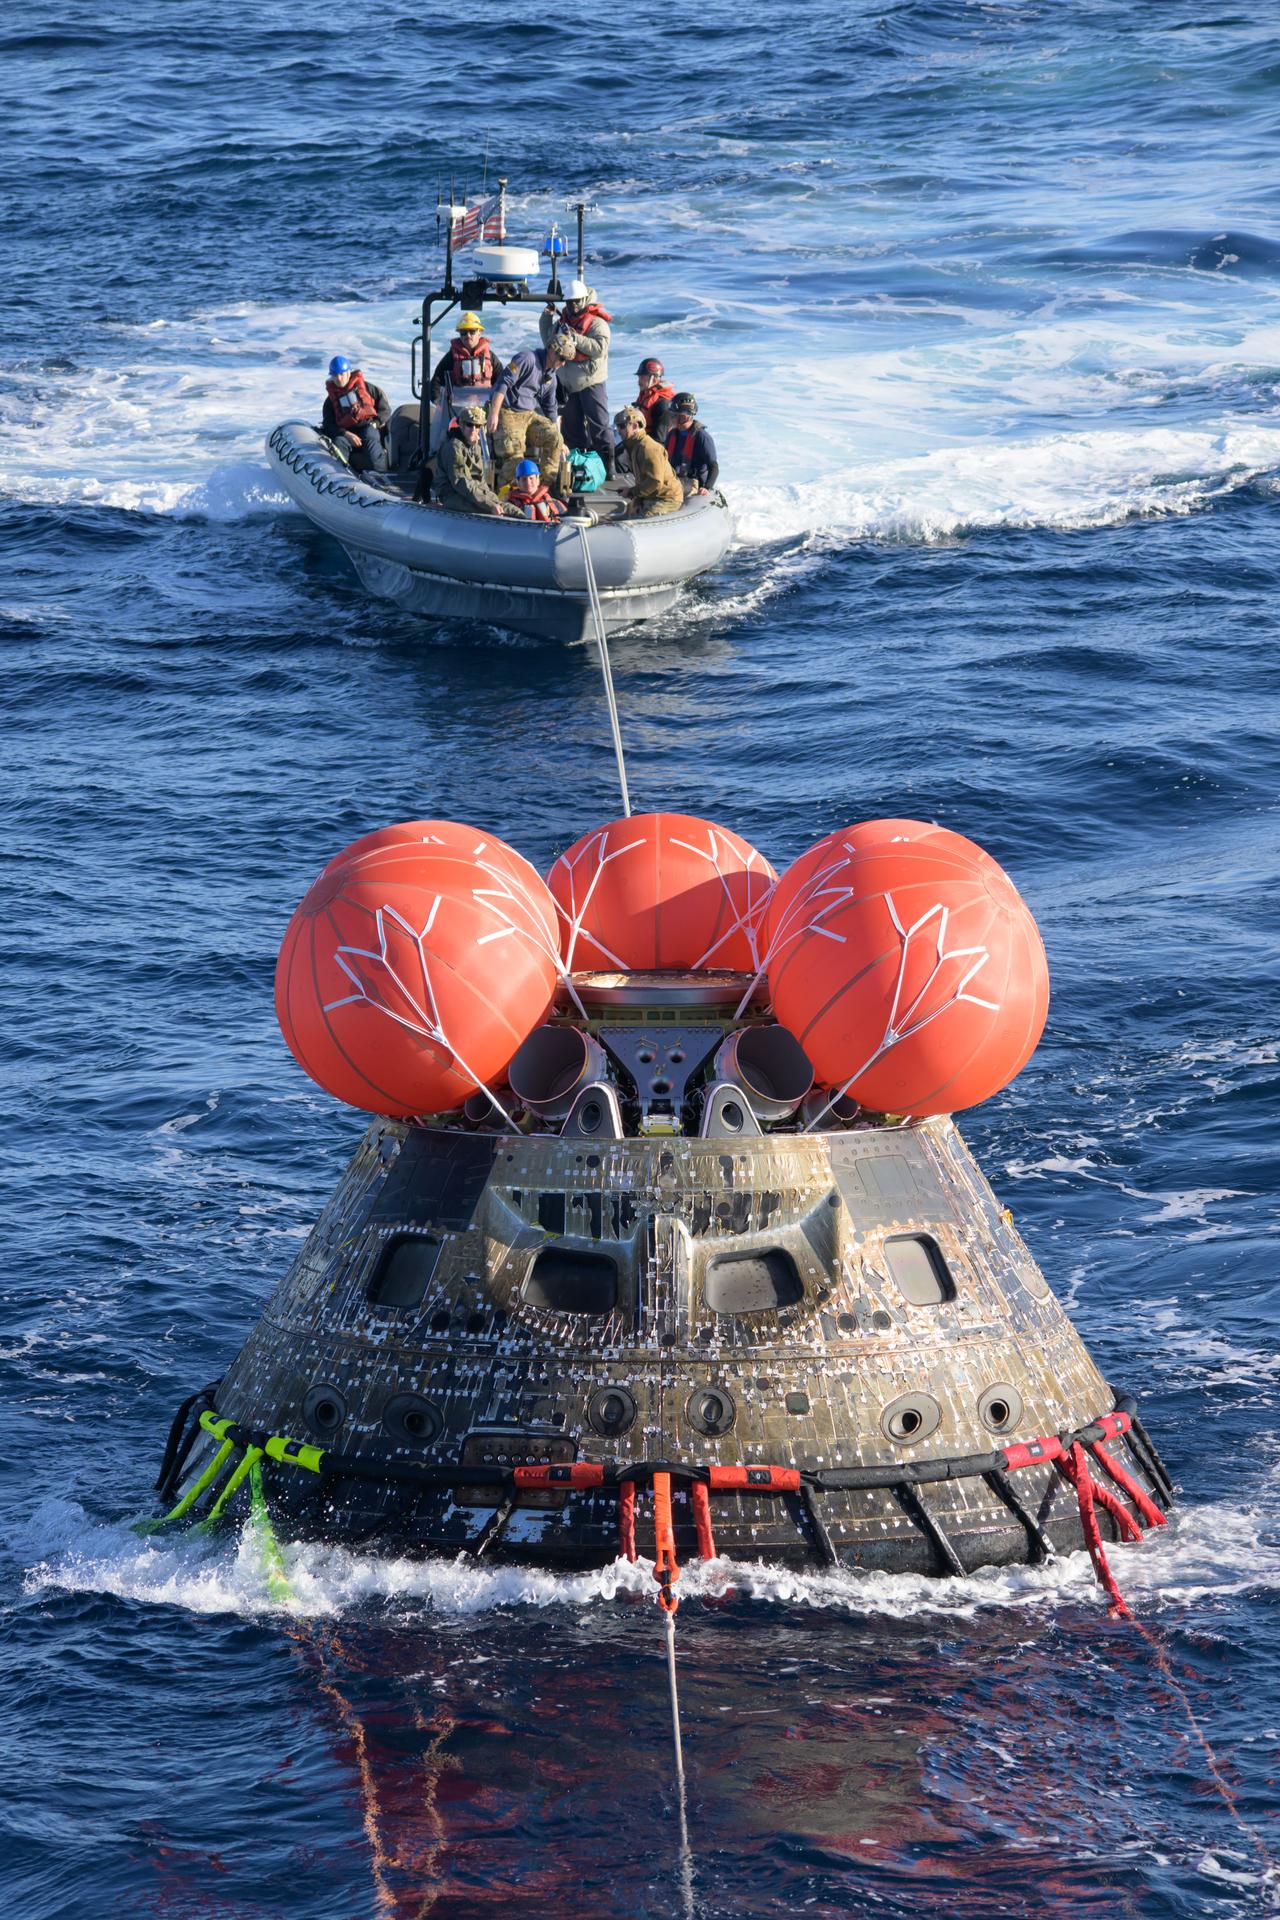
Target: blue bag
587,471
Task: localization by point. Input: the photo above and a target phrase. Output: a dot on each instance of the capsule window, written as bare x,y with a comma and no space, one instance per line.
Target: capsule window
918,1269
404,1272
753,1283
563,1280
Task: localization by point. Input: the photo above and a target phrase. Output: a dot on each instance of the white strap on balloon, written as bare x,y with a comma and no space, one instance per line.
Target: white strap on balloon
508,887
596,846
806,914
747,920
903,1025
507,891
419,1011
596,849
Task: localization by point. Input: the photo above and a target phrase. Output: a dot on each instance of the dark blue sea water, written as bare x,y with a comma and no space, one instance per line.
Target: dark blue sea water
983,303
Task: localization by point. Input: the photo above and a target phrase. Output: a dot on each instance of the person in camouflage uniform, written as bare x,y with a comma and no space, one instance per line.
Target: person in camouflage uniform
524,410
656,489
464,478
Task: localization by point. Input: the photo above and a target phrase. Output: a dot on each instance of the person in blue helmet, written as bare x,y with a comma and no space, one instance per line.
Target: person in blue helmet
530,492
355,414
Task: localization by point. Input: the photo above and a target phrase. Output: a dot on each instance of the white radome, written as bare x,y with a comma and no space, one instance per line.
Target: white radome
505,263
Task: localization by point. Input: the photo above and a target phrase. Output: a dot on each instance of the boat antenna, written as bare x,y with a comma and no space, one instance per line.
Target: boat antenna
484,178
606,671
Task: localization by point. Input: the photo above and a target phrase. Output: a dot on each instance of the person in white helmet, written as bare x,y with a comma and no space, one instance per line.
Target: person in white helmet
584,417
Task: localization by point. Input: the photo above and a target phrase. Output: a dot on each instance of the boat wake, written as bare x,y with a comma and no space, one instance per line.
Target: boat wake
1040,426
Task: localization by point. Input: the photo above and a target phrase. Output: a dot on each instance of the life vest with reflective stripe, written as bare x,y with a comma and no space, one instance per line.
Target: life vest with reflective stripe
535,501
680,447
471,366
353,406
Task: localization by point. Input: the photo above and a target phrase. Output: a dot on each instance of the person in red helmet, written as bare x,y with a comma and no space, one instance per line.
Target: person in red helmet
654,399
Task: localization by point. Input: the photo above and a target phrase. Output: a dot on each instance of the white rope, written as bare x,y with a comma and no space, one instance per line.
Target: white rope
686,1856
593,597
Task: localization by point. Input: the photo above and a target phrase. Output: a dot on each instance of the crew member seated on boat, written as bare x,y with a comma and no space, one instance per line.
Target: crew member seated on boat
690,448
585,414
654,488
524,410
530,492
654,399
355,411
464,478
470,361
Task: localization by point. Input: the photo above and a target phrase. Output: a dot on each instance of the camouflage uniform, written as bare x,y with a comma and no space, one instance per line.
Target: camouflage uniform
518,434
464,479
656,488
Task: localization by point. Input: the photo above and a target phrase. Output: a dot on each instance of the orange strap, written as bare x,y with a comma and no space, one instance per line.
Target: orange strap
702,1520
666,1569
627,1519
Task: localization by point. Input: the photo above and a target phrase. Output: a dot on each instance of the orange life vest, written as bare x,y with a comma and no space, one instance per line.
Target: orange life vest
650,401
680,447
471,366
353,406
580,322
535,499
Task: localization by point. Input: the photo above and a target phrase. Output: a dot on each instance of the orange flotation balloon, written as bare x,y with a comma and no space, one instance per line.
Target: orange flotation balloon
406,981
820,866
918,980
454,837
661,890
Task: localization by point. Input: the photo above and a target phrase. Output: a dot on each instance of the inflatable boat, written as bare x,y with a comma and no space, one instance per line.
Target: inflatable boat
586,576
528,576
643,1254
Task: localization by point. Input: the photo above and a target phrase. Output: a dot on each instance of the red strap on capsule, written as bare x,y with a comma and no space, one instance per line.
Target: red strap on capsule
627,1520
1125,1481
582,1473
1076,1468
702,1520
754,1479
666,1568
1031,1453
1129,1528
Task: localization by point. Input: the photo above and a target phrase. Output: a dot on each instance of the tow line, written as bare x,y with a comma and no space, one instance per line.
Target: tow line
666,1571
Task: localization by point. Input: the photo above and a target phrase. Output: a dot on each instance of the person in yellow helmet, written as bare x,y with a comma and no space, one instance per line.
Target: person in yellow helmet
470,362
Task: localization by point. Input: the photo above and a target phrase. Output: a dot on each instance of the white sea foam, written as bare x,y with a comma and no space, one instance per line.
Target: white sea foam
918,424
1208,1553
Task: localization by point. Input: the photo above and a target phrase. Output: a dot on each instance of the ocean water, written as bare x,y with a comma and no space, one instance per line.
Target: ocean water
982,302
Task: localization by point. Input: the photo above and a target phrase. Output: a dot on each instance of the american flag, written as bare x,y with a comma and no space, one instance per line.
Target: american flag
485,218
